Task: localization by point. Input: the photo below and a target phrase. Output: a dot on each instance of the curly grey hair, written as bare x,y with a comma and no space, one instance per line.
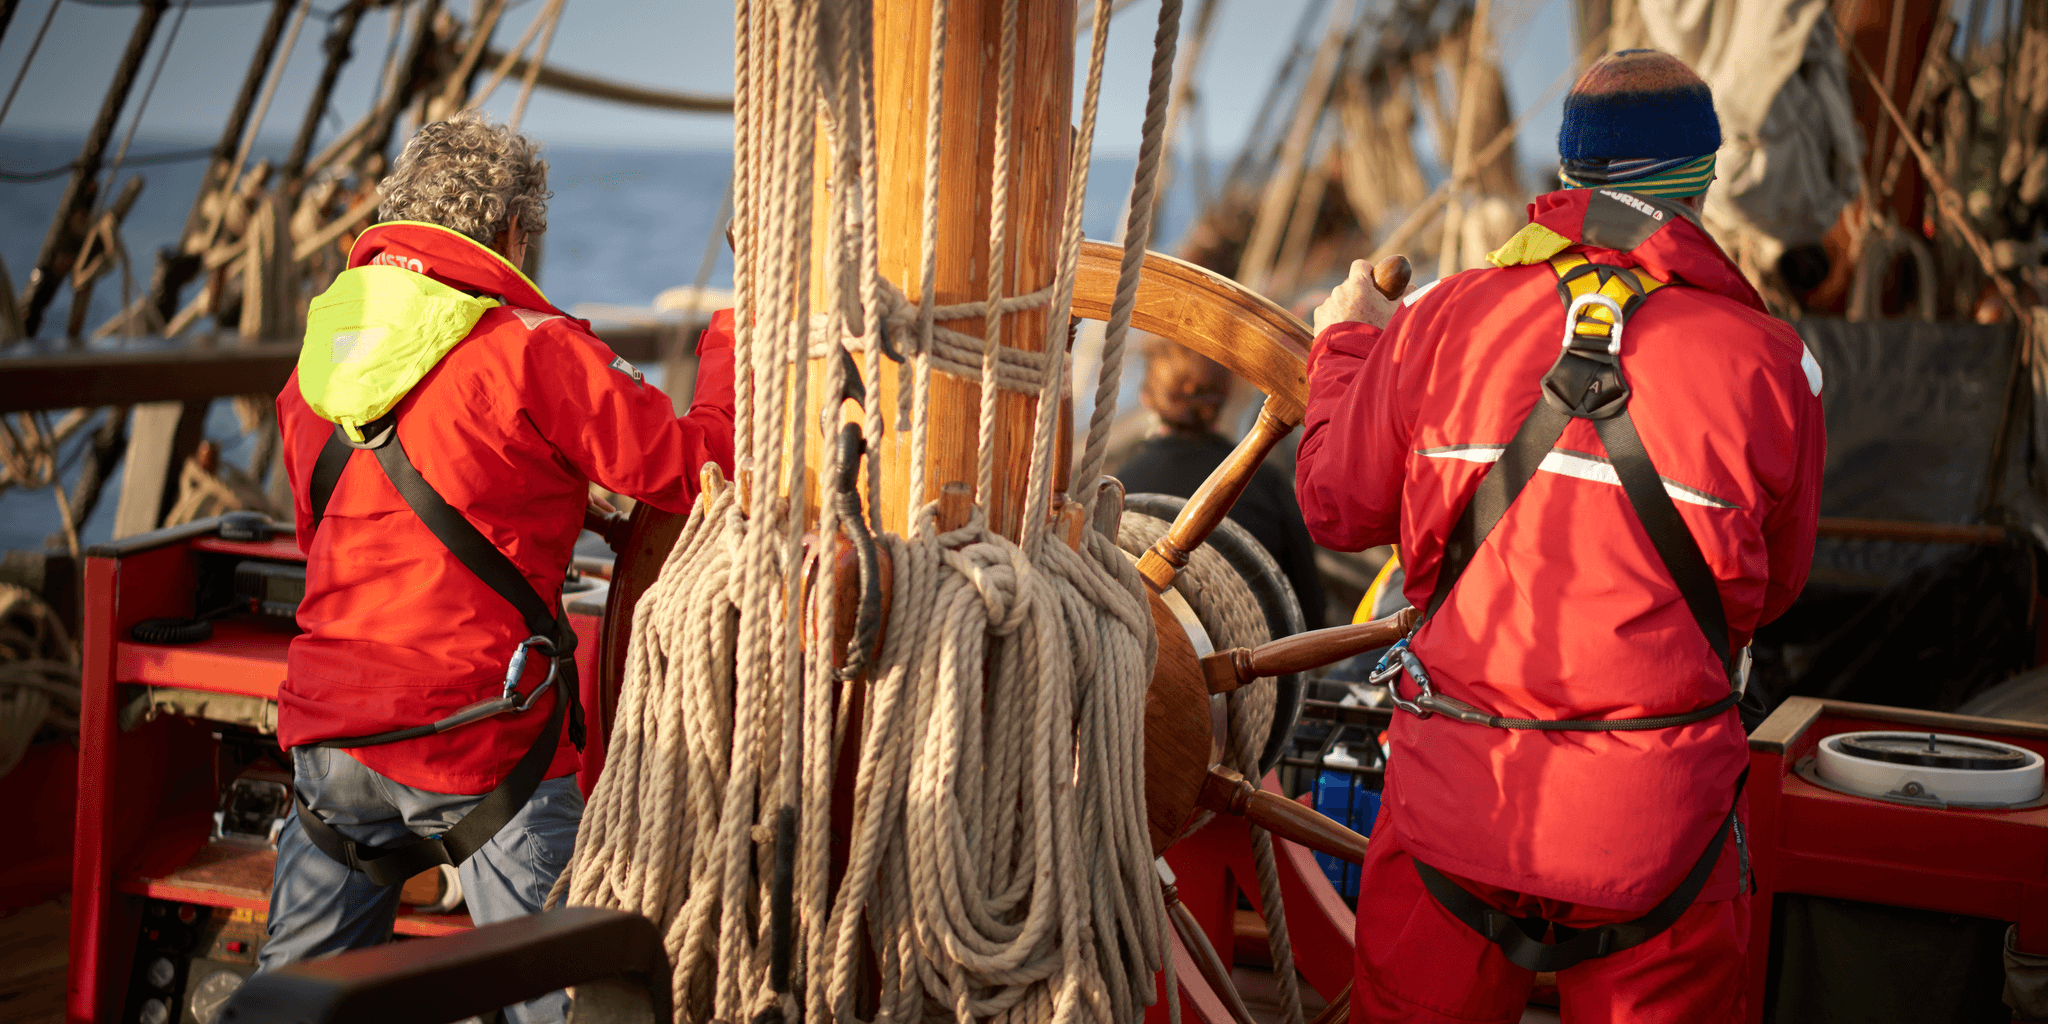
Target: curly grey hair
469,175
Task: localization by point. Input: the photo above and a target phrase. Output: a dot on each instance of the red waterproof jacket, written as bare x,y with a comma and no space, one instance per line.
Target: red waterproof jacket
1566,610
510,426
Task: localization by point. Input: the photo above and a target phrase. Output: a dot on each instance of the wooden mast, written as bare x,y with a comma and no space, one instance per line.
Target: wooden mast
1038,175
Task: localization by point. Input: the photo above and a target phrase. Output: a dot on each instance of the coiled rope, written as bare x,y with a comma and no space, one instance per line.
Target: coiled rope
1231,615
39,682
997,862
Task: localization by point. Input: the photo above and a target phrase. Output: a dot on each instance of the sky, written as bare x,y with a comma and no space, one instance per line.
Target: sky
683,45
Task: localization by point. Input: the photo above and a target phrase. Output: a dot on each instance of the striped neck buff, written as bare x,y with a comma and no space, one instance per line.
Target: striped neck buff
1674,178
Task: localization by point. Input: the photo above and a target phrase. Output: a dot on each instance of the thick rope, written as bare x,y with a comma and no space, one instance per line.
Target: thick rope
998,248
902,323
1231,615
964,922
39,685
920,365
1137,236
997,859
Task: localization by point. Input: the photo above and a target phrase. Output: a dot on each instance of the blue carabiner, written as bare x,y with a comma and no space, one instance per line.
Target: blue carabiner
1397,658
1389,665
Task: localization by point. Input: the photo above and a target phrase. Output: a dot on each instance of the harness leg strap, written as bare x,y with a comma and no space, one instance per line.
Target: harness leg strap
1521,939
392,865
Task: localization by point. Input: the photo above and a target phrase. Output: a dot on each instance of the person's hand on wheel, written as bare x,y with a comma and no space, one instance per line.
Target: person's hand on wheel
603,518
1357,300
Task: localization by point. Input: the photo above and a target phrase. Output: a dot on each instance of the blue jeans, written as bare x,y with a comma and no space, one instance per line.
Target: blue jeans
318,907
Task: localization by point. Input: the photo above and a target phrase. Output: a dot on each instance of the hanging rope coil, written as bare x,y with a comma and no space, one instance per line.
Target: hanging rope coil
997,859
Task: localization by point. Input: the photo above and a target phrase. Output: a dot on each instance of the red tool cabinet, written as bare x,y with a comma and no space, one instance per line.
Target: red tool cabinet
147,794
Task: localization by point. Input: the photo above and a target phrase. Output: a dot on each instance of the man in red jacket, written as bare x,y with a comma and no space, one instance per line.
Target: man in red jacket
1593,533
441,435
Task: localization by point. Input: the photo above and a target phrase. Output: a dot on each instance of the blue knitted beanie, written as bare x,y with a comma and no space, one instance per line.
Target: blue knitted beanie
1638,104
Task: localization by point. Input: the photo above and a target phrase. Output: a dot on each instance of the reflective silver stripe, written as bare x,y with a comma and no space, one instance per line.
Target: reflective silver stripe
1578,465
1811,367
1416,296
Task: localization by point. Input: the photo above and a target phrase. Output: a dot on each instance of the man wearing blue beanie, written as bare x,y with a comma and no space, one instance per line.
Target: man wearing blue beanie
1593,532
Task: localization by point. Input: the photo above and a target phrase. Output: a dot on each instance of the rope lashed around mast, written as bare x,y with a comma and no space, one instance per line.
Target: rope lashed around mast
998,864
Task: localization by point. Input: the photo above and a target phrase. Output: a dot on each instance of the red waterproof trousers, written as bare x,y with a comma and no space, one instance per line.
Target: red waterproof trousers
1417,963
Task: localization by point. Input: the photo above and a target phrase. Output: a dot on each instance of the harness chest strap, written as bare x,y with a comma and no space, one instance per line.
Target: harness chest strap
392,865
1586,382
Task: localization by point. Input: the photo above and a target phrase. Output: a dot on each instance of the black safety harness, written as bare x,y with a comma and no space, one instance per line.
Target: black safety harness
1587,383
549,634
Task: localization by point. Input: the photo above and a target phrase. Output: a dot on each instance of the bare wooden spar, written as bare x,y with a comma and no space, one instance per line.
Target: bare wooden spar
1038,175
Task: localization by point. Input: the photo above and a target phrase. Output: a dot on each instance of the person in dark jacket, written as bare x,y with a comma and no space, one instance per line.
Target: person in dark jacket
1186,390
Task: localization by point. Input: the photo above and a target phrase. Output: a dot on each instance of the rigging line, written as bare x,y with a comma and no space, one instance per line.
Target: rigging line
233,179
1420,215
388,78
1184,74
137,3
1083,24
552,14
1310,14
504,65
174,156
705,265
121,155
48,16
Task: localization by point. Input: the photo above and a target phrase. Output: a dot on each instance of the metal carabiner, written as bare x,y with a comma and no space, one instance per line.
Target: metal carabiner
517,668
1389,664
1587,301
1387,672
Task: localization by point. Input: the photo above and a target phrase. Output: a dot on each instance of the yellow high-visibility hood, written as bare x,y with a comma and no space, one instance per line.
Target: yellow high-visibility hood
372,336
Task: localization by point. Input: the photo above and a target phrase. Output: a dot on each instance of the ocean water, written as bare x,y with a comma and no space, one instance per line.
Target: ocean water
623,225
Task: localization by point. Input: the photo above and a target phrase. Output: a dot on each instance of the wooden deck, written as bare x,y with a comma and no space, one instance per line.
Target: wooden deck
32,956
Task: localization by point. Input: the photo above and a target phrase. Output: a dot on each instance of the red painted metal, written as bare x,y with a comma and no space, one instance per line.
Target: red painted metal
1214,866
146,796
1206,866
43,790
597,723
1198,1002
92,868
283,547
243,657
1812,840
